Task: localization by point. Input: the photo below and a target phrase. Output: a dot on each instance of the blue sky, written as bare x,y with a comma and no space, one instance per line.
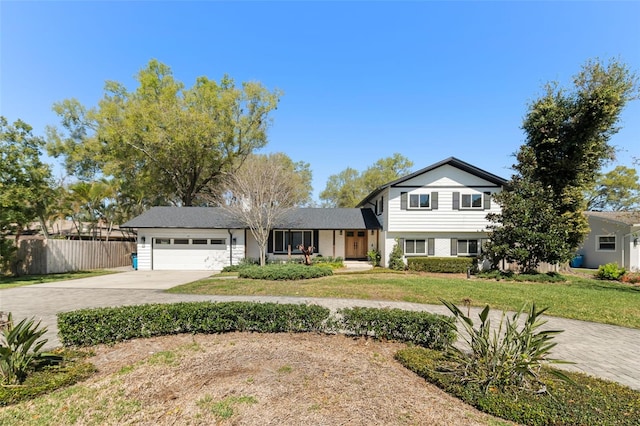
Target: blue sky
361,80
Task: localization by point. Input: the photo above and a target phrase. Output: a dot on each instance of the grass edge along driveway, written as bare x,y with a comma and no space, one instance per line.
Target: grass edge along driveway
578,298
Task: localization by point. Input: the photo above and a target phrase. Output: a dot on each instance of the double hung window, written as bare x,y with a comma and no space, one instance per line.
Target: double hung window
419,201
471,201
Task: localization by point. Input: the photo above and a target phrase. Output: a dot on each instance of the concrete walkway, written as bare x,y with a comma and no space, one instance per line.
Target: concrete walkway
601,350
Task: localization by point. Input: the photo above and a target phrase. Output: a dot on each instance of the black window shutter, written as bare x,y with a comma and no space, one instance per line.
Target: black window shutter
401,244
270,242
487,200
316,241
403,201
431,243
434,201
456,201
454,247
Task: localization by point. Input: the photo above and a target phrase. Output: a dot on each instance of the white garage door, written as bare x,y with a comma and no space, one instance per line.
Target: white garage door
190,254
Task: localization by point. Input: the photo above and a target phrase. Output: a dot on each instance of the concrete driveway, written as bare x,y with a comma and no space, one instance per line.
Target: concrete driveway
45,301
141,280
602,350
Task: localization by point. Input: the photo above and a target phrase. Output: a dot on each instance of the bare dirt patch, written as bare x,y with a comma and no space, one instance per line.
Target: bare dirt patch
273,379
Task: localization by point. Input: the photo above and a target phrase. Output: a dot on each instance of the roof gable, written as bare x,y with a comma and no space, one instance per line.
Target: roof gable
451,161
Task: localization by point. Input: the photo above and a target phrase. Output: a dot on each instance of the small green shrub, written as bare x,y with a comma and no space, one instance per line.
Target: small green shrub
452,265
420,328
395,258
109,325
333,262
284,272
21,350
374,257
610,271
507,357
583,400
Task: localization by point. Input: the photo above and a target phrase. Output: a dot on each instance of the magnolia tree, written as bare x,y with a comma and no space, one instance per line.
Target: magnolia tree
567,143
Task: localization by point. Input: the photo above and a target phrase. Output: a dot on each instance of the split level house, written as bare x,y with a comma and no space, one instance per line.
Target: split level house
437,211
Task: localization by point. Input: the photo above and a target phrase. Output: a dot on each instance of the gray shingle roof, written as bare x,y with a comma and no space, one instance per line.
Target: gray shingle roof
217,218
628,218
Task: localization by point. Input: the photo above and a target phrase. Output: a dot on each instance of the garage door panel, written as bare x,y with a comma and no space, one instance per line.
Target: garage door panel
189,259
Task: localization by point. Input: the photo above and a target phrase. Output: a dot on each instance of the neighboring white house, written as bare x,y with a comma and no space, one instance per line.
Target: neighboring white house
437,211
614,237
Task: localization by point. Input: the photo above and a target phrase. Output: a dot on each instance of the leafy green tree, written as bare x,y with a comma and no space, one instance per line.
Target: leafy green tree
24,182
171,143
349,187
616,190
567,142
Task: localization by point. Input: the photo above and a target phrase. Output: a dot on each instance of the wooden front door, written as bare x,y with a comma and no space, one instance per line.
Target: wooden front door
355,245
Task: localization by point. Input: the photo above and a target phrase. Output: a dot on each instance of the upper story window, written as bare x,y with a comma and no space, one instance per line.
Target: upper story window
471,201
606,242
419,201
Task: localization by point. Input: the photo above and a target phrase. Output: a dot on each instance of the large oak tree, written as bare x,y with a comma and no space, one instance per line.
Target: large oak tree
170,143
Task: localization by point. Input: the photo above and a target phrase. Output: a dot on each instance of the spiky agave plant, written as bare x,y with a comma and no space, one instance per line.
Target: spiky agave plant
21,350
506,356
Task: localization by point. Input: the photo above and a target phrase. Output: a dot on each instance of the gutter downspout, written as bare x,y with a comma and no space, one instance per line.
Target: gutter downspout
230,247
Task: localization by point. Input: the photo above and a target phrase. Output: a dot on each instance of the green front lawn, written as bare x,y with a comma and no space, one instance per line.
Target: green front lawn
9,282
580,298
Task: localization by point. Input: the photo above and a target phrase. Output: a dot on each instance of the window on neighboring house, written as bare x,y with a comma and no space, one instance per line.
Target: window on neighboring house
468,247
607,242
419,201
415,247
471,201
282,239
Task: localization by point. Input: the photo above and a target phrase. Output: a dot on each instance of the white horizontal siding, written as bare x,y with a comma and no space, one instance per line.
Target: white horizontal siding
442,219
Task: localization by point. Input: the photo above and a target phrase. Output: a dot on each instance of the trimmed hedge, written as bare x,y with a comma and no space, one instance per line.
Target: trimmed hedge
420,328
451,265
290,271
589,401
109,325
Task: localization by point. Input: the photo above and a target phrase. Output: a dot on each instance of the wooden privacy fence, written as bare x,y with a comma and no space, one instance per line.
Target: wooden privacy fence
58,256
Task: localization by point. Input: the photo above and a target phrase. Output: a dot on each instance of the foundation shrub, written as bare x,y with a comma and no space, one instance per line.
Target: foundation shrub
286,272
441,264
610,271
420,328
109,325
